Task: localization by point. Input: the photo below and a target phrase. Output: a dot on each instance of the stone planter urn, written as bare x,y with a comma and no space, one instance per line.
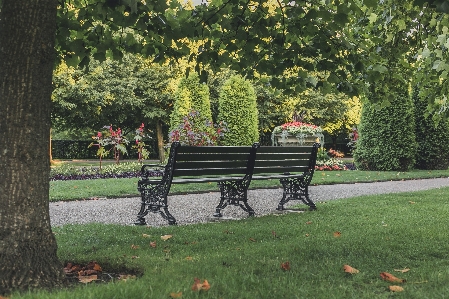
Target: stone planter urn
297,134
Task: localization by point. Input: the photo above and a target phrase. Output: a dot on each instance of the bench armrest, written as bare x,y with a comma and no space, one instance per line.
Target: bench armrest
151,170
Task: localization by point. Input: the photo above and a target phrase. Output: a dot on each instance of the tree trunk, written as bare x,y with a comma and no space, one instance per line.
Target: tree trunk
27,245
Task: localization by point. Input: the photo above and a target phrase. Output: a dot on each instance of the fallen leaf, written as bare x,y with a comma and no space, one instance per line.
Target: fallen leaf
337,234
206,285
412,202
189,258
402,270
198,285
307,235
396,288
176,295
252,239
134,246
97,267
273,233
134,257
87,279
309,222
166,237
153,244
146,235
349,269
388,277
285,266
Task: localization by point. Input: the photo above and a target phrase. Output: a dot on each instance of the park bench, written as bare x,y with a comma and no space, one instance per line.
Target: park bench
229,166
292,165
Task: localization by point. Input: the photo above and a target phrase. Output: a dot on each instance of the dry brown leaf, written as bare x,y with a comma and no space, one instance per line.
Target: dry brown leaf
176,295
87,279
198,285
402,270
309,222
252,239
349,269
146,235
206,285
307,235
166,237
396,288
153,244
388,277
285,266
97,267
337,234
412,202
134,246
189,258
134,257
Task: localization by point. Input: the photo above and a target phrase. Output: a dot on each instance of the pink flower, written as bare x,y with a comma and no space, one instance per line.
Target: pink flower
99,134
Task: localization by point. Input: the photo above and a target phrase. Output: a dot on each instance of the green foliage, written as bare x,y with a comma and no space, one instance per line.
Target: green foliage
386,135
128,92
238,109
190,95
432,138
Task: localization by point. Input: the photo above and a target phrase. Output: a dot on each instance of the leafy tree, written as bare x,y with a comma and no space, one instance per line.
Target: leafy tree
190,95
386,135
238,109
126,93
432,139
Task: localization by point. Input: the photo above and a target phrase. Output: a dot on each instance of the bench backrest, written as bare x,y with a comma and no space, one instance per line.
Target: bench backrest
198,161
286,159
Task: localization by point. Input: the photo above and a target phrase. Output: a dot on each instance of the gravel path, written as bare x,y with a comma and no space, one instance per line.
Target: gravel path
195,208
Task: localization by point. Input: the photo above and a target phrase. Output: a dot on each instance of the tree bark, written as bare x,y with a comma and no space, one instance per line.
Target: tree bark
28,247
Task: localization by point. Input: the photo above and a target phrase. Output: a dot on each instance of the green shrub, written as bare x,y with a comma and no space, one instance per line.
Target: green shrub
238,109
387,134
432,139
190,95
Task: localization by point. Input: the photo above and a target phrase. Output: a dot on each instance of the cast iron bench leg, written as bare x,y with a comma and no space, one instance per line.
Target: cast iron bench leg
294,189
233,193
153,200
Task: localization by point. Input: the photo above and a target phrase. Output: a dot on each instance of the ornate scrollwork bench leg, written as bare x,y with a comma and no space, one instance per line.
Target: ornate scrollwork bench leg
154,199
295,189
234,193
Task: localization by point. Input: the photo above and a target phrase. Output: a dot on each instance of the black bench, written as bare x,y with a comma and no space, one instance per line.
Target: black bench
293,166
230,166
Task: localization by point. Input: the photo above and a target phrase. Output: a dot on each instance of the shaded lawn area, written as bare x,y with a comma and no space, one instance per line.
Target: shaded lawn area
242,259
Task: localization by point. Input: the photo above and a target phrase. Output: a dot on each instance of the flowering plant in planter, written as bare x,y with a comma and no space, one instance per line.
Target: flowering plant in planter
297,127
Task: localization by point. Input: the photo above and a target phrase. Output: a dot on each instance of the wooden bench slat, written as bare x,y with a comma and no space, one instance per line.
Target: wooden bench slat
209,171
282,156
214,149
281,163
210,164
212,157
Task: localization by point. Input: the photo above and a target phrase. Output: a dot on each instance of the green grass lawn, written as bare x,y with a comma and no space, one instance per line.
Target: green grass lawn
84,189
242,259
